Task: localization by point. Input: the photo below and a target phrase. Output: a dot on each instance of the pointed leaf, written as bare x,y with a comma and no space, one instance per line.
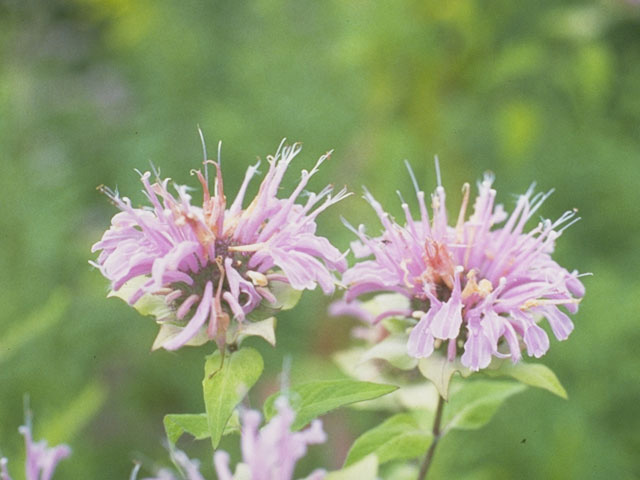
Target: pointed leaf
533,374
475,403
393,349
365,469
313,399
148,304
398,438
196,425
287,297
168,331
264,328
226,384
439,370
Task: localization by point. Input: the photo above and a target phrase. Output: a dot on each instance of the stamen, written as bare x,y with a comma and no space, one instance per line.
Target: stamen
534,302
438,176
463,211
247,248
204,154
413,176
257,278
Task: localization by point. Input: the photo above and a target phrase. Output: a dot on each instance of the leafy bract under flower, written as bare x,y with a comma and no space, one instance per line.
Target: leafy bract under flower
197,267
477,288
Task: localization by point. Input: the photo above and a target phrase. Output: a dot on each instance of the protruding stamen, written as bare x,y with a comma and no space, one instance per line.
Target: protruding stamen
204,154
463,211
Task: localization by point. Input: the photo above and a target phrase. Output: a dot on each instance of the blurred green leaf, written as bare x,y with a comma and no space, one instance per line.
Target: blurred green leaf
147,305
286,296
533,374
226,383
264,328
397,438
35,324
394,350
439,370
196,425
78,413
365,469
310,400
476,402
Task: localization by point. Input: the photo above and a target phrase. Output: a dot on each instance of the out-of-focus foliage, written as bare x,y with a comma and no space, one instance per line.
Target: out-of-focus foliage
91,89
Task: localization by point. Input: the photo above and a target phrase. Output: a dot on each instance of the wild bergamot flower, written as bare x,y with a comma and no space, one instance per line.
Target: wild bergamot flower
198,267
477,287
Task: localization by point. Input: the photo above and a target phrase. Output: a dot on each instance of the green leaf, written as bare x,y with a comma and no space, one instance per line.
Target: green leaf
226,384
439,370
310,400
393,349
533,374
475,403
169,330
365,469
286,298
401,471
398,438
66,424
195,424
148,304
36,323
265,328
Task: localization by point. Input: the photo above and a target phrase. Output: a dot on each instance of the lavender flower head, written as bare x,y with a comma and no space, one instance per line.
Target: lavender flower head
41,460
271,453
197,267
478,288
189,468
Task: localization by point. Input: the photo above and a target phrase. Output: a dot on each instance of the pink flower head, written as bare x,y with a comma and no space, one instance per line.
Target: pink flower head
478,287
189,468
271,453
207,264
41,460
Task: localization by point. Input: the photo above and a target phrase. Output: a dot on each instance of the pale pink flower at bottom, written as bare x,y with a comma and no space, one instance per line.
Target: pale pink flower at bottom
41,460
190,469
271,453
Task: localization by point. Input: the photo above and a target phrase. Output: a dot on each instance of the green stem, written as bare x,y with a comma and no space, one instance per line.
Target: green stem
426,463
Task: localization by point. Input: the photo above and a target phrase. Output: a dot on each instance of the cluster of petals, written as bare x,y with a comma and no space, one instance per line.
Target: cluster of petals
479,287
269,453
41,460
215,262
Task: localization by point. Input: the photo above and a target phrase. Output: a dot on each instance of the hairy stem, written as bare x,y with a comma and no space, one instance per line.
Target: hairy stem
426,463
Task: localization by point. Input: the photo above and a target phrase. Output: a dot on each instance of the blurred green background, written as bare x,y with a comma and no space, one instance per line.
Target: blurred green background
91,89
